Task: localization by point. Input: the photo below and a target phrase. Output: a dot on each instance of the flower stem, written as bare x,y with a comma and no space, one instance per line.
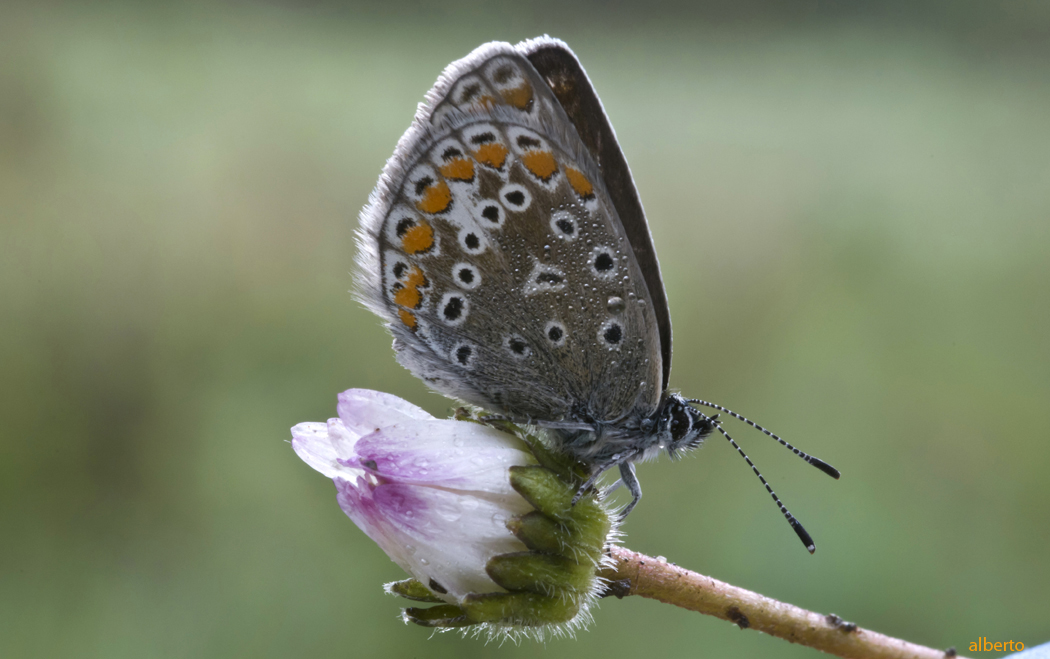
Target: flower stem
638,574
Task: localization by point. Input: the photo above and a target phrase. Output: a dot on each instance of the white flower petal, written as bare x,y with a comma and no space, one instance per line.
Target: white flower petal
311,442
435,495
452,454
452,535
364,411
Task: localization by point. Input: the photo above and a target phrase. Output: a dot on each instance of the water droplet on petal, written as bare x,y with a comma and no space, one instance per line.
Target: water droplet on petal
615,304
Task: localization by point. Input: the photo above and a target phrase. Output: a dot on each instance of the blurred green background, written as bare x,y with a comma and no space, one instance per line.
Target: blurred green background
851,203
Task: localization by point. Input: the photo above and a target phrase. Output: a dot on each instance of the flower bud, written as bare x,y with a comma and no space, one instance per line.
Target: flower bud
478,512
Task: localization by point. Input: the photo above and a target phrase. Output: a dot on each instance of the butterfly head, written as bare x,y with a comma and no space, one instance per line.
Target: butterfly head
682,427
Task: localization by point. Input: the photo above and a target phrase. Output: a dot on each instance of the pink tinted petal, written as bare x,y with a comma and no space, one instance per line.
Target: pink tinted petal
453,535
449,453
313,444
357,501
454,561
364,410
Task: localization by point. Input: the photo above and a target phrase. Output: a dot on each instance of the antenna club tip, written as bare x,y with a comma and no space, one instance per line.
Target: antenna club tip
807,540
826,468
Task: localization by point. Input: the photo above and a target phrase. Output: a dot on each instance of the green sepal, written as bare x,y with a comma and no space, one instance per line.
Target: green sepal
553,497
446,615
522,608
541,533
413,590
546,574
562,465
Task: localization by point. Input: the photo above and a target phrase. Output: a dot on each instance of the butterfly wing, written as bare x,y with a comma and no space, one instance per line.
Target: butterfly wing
495,253
572,88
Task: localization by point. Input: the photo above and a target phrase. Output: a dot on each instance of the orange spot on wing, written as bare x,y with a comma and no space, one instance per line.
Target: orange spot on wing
459,169
416,278
579,182
540,163
417,239
408,297
487,102
409,294
492,154
435,199
519,97
408,318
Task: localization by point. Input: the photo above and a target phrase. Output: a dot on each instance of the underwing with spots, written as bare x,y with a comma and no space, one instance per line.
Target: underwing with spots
507,250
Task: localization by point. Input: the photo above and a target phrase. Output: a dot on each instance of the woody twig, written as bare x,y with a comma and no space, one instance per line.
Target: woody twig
638,574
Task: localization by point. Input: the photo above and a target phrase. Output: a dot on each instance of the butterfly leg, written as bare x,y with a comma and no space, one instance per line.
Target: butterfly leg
631,481
597,473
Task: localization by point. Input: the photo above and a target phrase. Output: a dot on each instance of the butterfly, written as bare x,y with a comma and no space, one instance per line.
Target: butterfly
507,250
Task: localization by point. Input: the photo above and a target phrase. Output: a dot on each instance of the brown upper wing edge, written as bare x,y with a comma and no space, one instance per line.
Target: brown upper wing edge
566,78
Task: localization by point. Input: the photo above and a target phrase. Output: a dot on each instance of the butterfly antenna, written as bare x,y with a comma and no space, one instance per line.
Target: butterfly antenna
806,539
816,462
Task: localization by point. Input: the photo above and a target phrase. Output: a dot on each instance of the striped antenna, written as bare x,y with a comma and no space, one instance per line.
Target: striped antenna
806,539
816,462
